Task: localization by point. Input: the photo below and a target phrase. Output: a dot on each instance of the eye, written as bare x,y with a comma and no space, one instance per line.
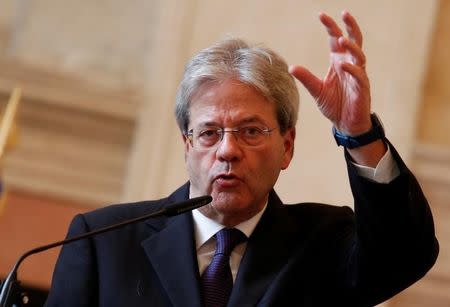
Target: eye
208,133
208,136
251,131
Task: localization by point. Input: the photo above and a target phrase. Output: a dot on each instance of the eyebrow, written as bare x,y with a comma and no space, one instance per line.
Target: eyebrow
246,120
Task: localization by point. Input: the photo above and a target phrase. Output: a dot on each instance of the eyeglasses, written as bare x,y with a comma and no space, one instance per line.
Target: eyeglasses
210,137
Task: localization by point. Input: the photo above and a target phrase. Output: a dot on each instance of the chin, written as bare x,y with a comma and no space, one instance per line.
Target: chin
227,199
230,206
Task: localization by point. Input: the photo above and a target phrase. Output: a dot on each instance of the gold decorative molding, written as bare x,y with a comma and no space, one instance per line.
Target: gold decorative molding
71,91
75,133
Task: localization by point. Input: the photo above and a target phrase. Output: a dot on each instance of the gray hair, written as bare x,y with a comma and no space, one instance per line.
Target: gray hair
256,66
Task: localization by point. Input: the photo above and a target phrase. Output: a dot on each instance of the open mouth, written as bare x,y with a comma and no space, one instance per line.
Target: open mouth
226,177
227,180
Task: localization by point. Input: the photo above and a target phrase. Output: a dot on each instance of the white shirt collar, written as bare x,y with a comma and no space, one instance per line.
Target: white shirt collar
205,227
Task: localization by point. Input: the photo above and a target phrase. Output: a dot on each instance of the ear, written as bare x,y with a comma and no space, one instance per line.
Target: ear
288,142
187,145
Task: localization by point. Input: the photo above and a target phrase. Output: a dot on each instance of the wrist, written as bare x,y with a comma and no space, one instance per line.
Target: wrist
355,130
350,141
370,154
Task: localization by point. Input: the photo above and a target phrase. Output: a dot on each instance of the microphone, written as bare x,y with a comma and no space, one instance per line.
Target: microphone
169,210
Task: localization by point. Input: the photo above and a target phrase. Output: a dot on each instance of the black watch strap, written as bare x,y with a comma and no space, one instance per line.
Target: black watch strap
375,133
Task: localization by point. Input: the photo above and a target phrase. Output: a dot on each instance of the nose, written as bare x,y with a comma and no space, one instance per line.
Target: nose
229,148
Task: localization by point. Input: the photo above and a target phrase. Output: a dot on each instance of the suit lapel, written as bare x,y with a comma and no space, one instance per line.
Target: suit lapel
172,254
267,251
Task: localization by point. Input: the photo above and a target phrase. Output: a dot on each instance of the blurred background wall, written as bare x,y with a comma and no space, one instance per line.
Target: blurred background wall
99,79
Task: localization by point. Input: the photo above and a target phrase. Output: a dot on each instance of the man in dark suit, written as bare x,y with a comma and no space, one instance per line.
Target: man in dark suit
237,108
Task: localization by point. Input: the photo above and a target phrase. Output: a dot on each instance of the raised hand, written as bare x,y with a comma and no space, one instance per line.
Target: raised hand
343,96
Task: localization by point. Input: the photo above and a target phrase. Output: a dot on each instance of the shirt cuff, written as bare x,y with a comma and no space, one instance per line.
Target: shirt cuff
385,171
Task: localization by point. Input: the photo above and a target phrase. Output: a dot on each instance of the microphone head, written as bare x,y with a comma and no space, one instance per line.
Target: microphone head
188,205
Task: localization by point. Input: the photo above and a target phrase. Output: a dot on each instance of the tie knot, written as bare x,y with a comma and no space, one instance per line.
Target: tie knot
227,239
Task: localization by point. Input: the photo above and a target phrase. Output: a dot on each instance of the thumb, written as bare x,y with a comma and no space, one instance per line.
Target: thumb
307,78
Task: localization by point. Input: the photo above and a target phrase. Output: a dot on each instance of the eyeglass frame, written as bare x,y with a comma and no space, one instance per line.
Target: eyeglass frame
220,131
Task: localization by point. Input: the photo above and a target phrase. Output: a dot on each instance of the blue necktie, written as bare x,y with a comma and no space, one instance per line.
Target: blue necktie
216,280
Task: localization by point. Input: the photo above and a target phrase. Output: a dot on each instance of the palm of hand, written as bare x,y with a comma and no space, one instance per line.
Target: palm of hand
342,99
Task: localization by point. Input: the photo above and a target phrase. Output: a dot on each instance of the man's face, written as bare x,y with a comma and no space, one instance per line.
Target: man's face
238,177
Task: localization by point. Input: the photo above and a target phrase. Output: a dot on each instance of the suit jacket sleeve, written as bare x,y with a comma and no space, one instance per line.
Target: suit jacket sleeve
395,243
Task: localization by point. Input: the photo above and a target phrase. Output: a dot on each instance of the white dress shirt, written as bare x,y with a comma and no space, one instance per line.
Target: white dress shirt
205,228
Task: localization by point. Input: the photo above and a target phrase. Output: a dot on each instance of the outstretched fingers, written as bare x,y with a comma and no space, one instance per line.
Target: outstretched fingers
356,72
357,55
312,83
352,27
334,31
331,26
346,56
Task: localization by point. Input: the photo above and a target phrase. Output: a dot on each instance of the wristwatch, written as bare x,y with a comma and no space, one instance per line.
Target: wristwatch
375,133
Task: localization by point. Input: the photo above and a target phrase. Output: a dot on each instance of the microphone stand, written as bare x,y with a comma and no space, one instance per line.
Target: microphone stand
11,284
